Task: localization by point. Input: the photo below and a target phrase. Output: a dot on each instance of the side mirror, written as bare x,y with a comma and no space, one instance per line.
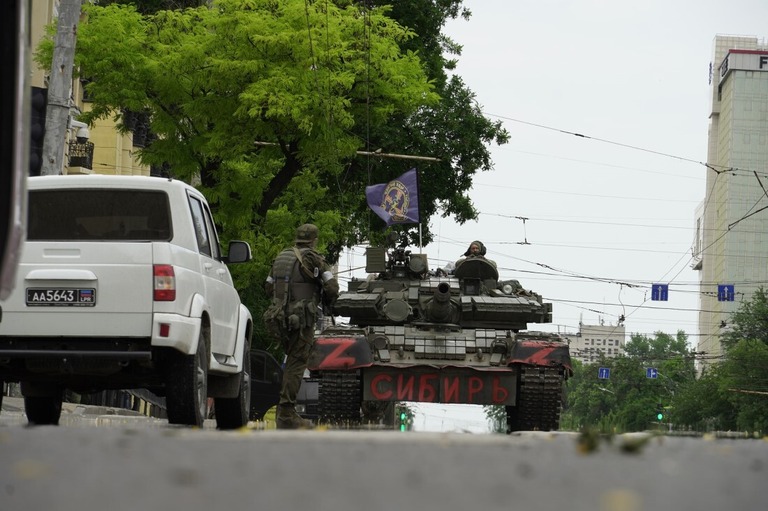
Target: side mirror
239,252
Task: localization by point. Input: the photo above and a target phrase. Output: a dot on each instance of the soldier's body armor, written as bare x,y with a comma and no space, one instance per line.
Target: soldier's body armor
288,278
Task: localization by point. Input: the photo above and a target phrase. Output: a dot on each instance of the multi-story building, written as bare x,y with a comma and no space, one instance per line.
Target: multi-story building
731,246
593,342
106,151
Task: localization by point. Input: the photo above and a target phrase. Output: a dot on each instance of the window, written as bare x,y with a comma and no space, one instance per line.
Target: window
201,230
98,215
215,252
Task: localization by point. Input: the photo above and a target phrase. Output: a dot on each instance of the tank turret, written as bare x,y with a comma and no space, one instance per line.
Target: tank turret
404,291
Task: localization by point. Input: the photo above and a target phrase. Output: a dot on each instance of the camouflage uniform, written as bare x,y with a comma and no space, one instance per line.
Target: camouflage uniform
298,275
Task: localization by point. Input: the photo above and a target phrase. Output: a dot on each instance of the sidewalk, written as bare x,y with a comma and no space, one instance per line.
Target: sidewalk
16,405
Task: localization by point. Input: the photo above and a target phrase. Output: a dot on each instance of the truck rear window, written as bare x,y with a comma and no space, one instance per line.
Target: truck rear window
98,215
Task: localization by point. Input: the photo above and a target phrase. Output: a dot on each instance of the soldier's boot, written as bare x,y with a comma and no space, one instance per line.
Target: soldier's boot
287,418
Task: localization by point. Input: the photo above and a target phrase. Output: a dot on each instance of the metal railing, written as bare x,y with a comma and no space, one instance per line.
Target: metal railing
81,154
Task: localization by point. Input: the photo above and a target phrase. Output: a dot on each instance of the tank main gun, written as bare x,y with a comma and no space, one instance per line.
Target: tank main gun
440,308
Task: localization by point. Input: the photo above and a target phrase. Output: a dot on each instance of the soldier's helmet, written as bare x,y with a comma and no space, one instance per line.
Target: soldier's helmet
480,246
306,233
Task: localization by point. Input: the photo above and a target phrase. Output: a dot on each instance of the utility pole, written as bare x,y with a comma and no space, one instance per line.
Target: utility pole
60,87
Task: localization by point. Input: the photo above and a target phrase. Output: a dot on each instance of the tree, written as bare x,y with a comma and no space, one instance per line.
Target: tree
702,404
745,379
453,129
589,400
628,400
497,416
733,394
749,322
660,347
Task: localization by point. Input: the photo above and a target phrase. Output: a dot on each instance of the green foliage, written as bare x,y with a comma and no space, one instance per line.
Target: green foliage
733,394
749,322
729,395
497,416
745,378
628,400
661,346
704,405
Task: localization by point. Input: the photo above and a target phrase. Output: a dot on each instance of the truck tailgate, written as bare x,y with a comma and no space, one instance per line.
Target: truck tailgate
82,289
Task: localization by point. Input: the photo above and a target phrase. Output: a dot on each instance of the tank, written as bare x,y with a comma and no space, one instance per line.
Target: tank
432,336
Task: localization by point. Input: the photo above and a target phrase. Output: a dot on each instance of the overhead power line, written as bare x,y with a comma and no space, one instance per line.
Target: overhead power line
711,166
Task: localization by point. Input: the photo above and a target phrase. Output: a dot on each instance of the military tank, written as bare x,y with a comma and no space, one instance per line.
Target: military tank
433,336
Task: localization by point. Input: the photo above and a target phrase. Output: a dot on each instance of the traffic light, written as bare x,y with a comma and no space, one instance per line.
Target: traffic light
659,412
403,417
39,103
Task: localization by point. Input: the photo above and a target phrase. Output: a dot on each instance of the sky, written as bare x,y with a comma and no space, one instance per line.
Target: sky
609,213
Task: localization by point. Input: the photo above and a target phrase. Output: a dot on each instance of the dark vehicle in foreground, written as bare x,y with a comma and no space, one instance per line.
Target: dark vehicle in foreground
422,336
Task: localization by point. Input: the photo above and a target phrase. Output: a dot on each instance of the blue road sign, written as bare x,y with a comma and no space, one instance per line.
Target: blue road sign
660,292
604,373
725,292
651,372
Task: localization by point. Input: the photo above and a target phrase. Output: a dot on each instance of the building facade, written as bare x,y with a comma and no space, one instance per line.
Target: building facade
594,342
731,246
106,150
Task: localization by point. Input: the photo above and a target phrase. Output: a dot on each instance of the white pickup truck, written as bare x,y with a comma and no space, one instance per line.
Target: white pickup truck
122,284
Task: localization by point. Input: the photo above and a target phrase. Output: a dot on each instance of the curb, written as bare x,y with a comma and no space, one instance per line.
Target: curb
16,404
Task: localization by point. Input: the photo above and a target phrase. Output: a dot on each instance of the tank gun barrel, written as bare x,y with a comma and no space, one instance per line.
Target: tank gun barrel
440,309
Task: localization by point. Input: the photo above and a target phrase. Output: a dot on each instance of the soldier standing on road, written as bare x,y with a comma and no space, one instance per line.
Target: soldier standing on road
300,280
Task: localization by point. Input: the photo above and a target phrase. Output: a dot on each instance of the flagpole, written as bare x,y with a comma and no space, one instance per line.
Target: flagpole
420,238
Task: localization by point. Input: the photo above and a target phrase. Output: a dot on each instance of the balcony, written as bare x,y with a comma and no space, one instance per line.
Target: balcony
80,157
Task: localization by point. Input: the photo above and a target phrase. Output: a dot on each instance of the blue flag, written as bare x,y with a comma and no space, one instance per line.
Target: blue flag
396,202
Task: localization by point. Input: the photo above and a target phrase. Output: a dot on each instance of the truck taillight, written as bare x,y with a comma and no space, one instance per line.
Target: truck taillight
165,283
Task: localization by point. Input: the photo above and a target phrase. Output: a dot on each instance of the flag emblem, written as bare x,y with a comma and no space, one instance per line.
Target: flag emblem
397,201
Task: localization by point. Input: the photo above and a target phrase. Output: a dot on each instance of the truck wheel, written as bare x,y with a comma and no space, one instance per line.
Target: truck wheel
186,380
43,404
232,412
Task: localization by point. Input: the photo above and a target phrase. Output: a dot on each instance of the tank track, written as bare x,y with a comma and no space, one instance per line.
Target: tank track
539,400
339,398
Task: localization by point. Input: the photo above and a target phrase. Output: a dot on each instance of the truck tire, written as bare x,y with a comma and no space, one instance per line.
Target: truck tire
186,381
232,412
42,404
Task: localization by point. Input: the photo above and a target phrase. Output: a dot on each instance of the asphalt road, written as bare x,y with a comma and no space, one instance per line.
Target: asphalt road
115,462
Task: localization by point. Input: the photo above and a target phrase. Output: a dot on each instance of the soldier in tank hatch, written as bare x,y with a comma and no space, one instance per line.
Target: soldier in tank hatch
476,250
299,281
